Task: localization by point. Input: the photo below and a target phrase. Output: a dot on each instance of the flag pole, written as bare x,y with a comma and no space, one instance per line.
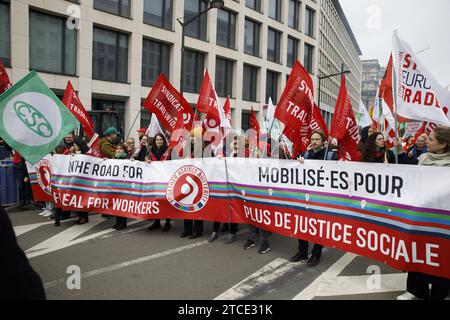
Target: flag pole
395,113
129,131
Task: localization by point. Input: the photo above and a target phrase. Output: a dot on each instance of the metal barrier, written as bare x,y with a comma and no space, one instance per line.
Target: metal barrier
8,184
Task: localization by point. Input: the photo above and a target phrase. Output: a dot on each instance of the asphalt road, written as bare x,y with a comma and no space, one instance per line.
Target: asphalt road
139,264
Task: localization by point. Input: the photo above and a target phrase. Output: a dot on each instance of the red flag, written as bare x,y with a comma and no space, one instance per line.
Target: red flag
227,109
254,122
207,97
254,139
177,138
73,103
168,104
295,105
5,83
344,126
316,123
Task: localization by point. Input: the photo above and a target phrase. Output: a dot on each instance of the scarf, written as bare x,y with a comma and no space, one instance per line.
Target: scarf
433,159
159,152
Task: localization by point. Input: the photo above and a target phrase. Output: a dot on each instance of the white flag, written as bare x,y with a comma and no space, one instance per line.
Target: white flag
418,95
365,119
153,127
268,122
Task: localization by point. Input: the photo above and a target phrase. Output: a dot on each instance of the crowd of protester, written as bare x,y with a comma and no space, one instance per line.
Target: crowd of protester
427,150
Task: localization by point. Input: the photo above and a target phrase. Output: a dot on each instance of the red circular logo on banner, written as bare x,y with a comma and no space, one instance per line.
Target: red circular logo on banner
44,175
188,189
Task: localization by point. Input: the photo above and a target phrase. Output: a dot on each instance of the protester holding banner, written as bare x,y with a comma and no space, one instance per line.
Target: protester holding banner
419,148
193,229
106,144
417,284
141,152
316,151
158,152
365,133
375,150
131,147
121,153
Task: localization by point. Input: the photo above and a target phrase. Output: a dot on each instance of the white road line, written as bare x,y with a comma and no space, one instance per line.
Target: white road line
310,292
126,264
352,285
19,230
64,239
267,274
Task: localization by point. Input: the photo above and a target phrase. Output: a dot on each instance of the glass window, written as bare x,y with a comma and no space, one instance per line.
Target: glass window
275,9
292,52
294,13
251,37
245,120
254,4
110,55
272,86
309,22
5,46
158,13
107,113
273,45
308,58
118,7
226,28
193,71
146,118
53,47
196,28
249,87
155,60
224,77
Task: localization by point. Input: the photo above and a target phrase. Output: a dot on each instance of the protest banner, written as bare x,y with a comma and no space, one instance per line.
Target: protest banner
395,214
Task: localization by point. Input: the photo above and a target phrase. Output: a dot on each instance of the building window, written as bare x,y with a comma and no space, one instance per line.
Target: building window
197,28
245,120
292,51
158,13
193,71
250,85
275,9
251,37
53,47
146,118
272,86
273,45
155,60
118,7
308,58
253,4
224,77
309,22
294,14
226,28
107,113
110,55
5,45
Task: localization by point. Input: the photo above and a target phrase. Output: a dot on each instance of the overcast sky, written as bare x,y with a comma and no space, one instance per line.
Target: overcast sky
424,25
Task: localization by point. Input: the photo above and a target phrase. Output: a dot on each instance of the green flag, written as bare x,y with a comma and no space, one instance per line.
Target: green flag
33,120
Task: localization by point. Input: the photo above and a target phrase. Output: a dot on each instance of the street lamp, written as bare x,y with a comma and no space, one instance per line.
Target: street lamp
213,4
329,76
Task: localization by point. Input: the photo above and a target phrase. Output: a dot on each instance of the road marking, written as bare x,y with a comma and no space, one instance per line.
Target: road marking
126,264
19,230
65,238
310,292
267,274
352,285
